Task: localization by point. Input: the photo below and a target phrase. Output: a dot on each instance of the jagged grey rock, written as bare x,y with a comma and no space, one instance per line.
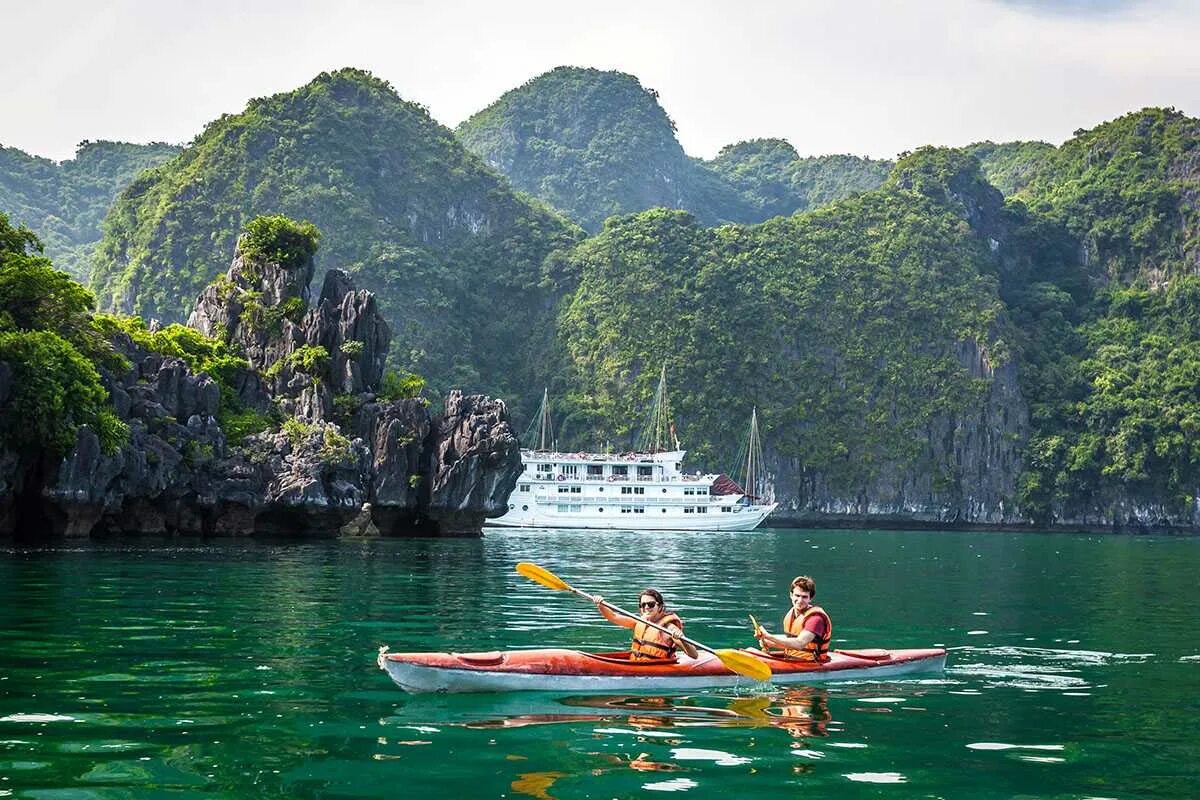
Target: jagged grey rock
179,474
475,462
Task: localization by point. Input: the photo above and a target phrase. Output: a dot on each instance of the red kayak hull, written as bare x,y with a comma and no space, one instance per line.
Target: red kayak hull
555,669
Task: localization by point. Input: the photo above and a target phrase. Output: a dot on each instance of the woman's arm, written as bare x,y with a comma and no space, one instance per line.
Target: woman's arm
684,645
612,616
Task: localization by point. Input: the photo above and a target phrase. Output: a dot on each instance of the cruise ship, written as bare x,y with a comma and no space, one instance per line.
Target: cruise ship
633,491
639,491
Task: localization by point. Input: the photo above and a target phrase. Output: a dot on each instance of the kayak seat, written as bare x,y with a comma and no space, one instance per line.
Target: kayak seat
777,656
623,657
869,653
492,659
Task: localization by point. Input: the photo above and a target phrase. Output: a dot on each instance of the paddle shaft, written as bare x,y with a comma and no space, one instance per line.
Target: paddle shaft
647,622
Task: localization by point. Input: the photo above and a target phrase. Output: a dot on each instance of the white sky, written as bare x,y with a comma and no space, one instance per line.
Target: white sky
871,78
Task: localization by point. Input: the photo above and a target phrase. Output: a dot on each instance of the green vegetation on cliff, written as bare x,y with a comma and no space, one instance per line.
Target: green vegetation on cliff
1011,165
277,238
47,347
64,203
1130,418
776,181
839,324
1113,367
1127,189
593,144
402,207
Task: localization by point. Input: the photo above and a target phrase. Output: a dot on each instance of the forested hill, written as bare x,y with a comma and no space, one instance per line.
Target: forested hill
593,144
441,239
1010,166
64,202
776,181
1112,365
928,350
869,333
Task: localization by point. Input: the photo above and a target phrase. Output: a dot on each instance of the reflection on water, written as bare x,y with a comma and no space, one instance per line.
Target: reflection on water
800,710
241,669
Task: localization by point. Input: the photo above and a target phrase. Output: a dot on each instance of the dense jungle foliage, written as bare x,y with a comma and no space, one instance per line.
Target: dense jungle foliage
64,203
838,324
48,353
776,181
1111,370
593,144
1010,166
402,206
1128,190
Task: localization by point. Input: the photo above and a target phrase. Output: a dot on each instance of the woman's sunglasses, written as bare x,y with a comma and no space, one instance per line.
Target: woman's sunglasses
651,604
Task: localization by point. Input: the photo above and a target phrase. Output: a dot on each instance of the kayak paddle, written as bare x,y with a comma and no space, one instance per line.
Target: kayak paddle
735,660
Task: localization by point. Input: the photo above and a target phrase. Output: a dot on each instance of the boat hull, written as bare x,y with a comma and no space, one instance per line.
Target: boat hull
562,670
744,521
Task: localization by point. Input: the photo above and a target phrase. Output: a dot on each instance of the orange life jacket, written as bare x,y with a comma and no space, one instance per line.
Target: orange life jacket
818,648
652,643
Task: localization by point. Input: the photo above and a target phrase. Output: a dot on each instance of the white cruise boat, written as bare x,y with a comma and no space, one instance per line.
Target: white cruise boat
638,491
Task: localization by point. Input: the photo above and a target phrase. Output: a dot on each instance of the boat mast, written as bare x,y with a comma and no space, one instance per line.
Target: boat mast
659,433
753,477
545,429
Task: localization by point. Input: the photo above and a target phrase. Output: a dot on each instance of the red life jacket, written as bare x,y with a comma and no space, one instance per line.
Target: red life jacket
652,643
818,648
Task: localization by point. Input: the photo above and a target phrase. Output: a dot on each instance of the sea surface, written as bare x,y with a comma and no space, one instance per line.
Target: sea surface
147,669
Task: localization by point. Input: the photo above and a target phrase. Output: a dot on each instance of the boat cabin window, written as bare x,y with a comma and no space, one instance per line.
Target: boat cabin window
595,470
620,470
524,487
570,470
701,509
645,473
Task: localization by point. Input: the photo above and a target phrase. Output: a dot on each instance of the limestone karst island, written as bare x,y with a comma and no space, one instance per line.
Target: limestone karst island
728,401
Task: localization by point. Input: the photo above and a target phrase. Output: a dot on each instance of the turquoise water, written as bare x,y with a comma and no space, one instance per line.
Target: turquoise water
155,669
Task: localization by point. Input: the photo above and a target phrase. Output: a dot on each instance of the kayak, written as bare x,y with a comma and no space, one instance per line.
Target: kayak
557,669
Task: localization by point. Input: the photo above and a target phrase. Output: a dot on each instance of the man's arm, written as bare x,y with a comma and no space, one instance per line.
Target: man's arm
787,642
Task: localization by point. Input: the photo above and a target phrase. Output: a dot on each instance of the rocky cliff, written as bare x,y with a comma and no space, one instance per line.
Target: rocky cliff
335,452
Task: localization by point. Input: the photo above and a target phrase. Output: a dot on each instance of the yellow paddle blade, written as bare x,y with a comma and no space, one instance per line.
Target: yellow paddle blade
744,664
754,622
543,576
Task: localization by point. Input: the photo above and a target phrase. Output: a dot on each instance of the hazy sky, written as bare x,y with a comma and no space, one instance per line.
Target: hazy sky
870,78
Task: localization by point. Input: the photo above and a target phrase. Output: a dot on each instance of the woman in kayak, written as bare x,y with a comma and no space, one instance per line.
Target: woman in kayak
807,628
650,643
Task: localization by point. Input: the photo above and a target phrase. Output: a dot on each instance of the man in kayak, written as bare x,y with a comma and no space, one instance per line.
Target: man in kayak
650,642
807,628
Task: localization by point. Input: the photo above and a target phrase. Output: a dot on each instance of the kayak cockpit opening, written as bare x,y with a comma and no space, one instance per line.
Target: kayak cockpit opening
625,657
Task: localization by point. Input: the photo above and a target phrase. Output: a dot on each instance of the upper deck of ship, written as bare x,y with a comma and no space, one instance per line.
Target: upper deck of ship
663,466
673,457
